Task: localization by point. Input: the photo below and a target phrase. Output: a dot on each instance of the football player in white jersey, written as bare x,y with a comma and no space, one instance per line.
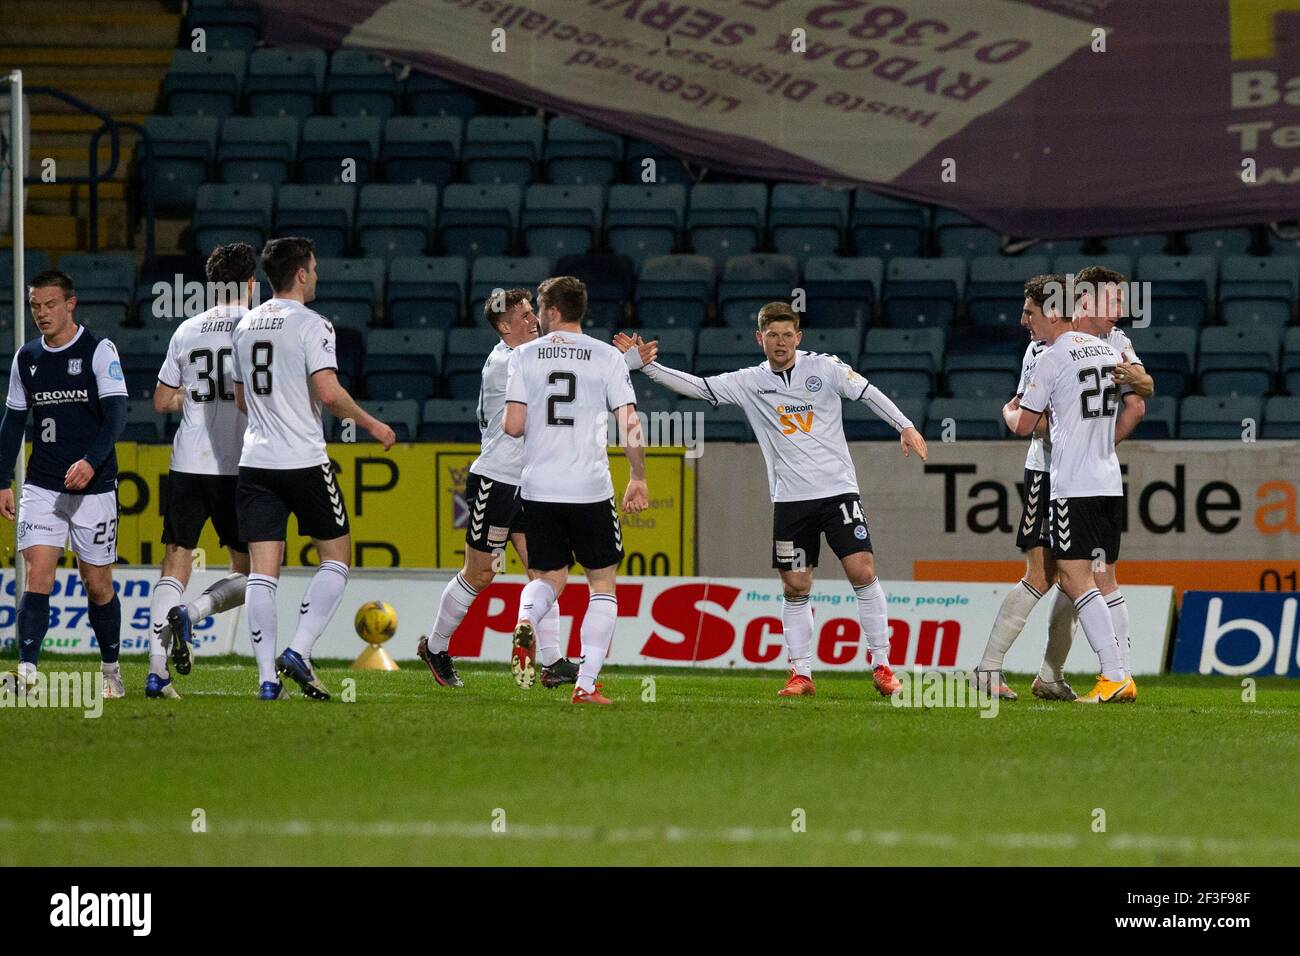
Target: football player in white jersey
1072,382
196,380
285,370
495,509
793,402
560,391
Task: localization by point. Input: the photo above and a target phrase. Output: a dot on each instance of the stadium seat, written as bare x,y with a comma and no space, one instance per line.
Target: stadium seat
902,383
231,212
449,420
1236,360
467,350
1061,247
609,279
1137,246
428,95
479,220
644,221
725,350
577,154
923,292
676,348
421,149
919,351
807,220
143,424
204,84
1258,290
426,292
886,227
334,145
981,383
842,291
284,82
971,419
396,220
224,27
1281,417
34,261
668,170
403,415
674,291
322,214
105,284
502,149
724,423
1168,353
862,424
490,273
347,290
1218,416
1160,420
1182,287
562,220
1291,361
959,235
142,352
258,149
726,219
749,282
360,83
845,344
403,363
184,148
652,397
1219,243
995,295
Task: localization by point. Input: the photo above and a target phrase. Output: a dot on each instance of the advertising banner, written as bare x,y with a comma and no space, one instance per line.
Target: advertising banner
1223,632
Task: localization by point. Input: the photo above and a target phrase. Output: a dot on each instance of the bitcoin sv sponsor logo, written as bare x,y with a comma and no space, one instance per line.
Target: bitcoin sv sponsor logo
794,418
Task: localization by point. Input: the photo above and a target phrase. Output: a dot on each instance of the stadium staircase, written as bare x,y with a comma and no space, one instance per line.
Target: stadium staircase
113,55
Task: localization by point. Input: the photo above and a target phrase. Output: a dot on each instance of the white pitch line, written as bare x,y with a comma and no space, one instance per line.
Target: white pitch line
433,829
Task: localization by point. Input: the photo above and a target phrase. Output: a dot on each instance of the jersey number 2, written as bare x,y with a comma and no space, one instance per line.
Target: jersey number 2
570,381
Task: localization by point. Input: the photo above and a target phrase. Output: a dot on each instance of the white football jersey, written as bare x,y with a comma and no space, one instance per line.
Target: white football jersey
1072,381
798,418
200,361
1121,343
500,457
278,347
570,382
1039,456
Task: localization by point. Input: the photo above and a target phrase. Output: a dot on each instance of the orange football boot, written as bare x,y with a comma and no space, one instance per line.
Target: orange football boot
581,696
885,681
797,686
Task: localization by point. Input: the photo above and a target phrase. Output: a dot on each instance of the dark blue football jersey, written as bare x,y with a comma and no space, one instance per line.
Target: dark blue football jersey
62,388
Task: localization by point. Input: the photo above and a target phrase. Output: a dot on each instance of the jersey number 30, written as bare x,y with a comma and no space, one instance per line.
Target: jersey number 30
209,362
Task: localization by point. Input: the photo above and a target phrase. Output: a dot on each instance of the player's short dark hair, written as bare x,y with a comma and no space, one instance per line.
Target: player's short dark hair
282,258
497,307
1098,275
52,277
1039,288
566,293
233,262
776,312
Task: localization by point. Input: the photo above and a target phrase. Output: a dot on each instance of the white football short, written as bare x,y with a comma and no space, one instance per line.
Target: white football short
52,517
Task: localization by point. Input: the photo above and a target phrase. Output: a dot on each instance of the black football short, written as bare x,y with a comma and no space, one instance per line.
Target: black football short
559,533
191,501
798,526
1035,529
495,513
1087,528
267,496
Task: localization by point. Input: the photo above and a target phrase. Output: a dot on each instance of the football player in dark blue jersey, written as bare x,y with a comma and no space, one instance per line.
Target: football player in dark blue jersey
71,380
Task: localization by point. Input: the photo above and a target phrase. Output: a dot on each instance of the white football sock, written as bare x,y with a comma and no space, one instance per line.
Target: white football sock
166,595
455,602
548,637
1119,618
221,596
1013,613
797,623
26,669
873,616
597,635
535,602
1099,630
1060,635
260,609
322,599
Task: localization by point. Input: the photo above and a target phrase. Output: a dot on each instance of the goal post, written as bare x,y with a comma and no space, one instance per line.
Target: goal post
16,165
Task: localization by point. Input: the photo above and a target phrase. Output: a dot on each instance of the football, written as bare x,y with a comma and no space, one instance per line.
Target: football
376,622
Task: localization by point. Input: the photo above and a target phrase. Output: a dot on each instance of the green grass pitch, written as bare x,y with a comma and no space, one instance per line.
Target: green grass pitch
716,770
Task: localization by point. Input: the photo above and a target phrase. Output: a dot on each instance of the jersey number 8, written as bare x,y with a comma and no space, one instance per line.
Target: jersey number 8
263,352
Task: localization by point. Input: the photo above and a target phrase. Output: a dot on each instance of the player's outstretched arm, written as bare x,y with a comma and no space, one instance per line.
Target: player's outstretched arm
910,440
12,428
683,383
343,406
637,496
1129,416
